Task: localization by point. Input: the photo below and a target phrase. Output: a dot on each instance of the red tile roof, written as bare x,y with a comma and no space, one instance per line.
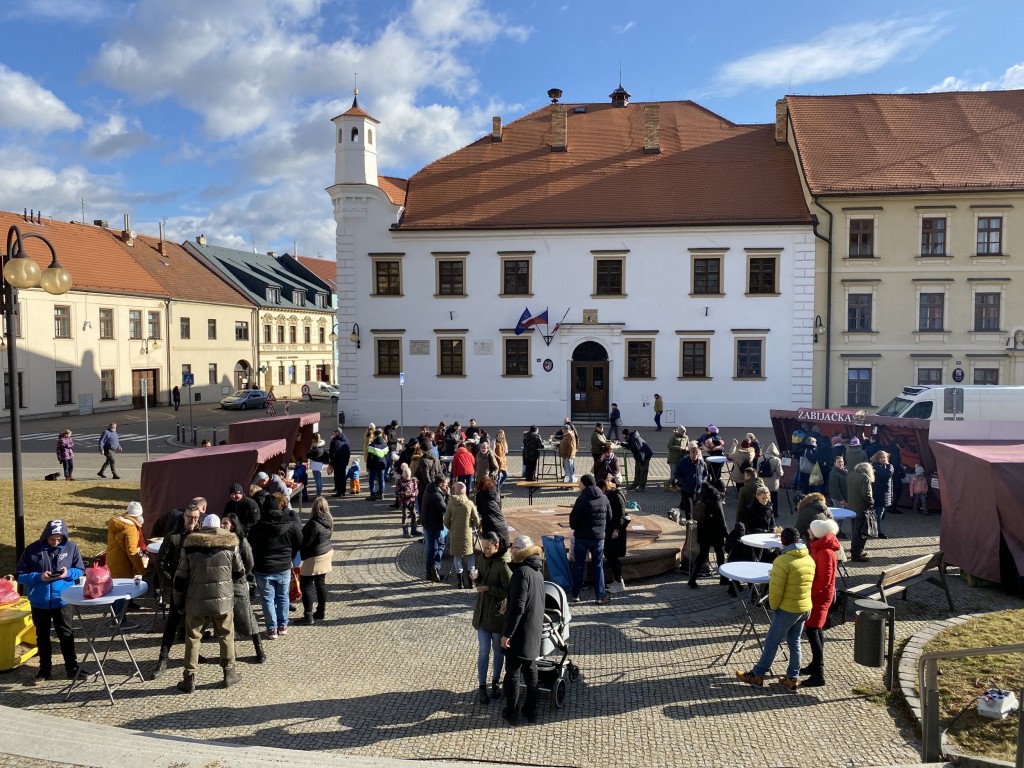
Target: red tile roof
325,269
96,261
182,276
394,187
924,142
709,171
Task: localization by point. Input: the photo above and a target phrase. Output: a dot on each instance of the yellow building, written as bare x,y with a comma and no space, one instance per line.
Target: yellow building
919,200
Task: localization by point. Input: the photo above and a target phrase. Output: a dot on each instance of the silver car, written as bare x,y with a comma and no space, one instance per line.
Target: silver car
244,399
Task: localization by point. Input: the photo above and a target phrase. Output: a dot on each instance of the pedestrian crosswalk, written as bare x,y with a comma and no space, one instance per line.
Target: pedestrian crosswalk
88,437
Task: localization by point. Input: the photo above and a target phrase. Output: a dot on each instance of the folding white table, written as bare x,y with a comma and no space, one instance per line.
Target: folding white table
756,575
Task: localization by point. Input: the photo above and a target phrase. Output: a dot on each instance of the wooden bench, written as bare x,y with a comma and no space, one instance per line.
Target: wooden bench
897,579
532,486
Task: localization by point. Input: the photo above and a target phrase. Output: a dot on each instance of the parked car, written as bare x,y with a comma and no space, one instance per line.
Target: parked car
320,390
244,399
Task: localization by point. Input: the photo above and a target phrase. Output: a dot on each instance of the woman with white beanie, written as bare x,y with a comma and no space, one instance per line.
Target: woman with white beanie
125,557
823,545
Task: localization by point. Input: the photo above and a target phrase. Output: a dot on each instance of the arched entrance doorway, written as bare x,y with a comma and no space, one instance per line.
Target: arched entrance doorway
243,374
589,381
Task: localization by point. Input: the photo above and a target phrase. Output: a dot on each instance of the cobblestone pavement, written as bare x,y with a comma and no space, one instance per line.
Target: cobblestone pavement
392,672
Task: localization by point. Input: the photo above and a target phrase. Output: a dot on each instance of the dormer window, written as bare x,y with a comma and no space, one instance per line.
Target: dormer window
321,301
299,298
273,295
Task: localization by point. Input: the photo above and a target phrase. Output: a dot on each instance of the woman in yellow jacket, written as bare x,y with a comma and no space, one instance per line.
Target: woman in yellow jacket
789,597
124,536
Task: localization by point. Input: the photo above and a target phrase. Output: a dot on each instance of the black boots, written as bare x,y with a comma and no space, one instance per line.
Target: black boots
187,684
257,643
462,580
496,690
484,698
305,621
161,667
231,676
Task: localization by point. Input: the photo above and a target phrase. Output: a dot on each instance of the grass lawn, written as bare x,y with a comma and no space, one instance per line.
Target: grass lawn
84,506
962,681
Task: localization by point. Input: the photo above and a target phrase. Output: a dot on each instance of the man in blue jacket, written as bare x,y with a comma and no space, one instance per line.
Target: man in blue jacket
110,444
48,567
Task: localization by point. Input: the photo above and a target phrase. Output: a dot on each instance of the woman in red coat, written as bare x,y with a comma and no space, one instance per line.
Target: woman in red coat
463,466
823,546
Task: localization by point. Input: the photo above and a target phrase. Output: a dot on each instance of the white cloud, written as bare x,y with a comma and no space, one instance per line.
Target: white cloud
77,11
837,52
116,137
621,29
24,104
29,182
1012,78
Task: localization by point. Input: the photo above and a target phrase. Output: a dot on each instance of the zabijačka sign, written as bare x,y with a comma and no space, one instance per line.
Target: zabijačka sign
833,416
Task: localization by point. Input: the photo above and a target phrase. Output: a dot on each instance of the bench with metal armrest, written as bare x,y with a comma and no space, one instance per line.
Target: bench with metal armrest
898,578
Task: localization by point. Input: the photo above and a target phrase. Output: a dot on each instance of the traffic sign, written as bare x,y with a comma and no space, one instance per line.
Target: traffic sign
188,379
958,375
401,379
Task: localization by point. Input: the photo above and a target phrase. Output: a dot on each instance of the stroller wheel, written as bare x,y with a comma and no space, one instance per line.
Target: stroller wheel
574,672
558,693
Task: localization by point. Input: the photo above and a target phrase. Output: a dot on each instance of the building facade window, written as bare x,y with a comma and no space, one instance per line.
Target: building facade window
389,357
106,323
280,336
517,357
241,330
858,386
7,391
451,277
608,277
707,276
308,370
986,311
862,238
321,334
931,311
749,359
451,357
107,391
695,359
761,275
212,370
64,388
292,334
933,236
639,359
858,312
185,326
307,336
293,371
387,280
930,377
62,321
280,375
986,376
153,324
268,334
211,330
134,324
990,235
186,368
515,277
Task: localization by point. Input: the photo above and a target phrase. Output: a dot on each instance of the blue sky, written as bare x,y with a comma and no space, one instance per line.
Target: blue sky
214,114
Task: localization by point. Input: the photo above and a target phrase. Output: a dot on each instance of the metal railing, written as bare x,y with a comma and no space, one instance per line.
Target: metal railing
927,683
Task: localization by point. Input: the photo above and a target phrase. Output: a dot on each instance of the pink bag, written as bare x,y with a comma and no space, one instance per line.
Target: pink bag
8,591
97,582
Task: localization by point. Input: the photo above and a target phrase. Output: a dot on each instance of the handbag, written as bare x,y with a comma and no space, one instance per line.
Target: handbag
294,588
872,524
97,582
8,591
816,478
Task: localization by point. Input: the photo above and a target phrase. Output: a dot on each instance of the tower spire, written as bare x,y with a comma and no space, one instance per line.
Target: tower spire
355,89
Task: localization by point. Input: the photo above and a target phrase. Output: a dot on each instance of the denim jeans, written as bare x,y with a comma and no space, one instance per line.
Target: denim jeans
274,597
785,626
880,516
377,481
502,477
69,467
470,561
580,548
489,645
433,543
568,469
318,478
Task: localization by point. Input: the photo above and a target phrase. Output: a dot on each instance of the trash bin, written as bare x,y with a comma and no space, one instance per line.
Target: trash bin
869,633
17,635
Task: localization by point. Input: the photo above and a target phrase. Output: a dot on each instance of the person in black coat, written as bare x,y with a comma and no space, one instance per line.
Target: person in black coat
689,473
589,520
338,453
275,541
432,507
316,550
615,533
245,509
711,529
521,633
488,505
642,453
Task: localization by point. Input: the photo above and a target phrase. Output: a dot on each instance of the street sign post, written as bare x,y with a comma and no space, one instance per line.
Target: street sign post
143,389
401,404
187,380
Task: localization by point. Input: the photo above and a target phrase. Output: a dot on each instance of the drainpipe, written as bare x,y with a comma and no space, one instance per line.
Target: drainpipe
167,349
828,298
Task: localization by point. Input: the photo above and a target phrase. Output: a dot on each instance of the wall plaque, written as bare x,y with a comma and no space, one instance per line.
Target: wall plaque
419,347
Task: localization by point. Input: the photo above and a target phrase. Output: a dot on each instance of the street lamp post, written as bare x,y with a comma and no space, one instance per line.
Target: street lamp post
21,272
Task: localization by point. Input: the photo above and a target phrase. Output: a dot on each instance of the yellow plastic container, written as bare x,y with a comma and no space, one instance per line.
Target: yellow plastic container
16,628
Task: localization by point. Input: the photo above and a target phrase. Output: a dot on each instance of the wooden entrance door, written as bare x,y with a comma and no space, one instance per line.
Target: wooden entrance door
150,375
589,388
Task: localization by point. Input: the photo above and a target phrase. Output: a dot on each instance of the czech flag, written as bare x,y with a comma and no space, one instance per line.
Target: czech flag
526,320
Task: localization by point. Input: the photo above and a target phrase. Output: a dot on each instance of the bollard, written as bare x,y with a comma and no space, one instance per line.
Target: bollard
177,432
214,441
195,436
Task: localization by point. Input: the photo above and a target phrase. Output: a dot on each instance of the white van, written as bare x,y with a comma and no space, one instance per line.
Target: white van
319,390
976,403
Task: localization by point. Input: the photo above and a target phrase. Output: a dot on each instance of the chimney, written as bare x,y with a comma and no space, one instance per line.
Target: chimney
127,236
652,129
496,128
160,246
24,214
201,240
781,121
102,223
272,254
559,138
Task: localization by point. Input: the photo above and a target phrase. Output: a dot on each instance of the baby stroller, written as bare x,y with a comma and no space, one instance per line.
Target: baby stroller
554,642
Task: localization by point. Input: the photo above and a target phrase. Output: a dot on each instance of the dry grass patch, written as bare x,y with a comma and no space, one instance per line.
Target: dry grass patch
84,506
962,681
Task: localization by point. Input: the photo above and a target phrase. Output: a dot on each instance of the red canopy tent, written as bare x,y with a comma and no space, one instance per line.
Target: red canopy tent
172,481
295,429
982,488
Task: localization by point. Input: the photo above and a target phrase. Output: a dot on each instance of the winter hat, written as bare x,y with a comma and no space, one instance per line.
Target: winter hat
837,440
918,470
262,476
811,441
854,441
822,527
211,521
134,509
236,488
712,429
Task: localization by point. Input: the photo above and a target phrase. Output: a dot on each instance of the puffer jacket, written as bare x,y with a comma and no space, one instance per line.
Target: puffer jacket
376,455
492,518
689,474
432,507
495,575
207,570
858,489
316,539
275,540
591,514
463,463
532,446
746,495
65,448
837,486
881,488
823,552
741,459
524,617
39,557
811,507
789,588
170,555
124,556
461,518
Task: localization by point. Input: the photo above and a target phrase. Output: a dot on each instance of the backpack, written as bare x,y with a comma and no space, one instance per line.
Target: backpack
764,468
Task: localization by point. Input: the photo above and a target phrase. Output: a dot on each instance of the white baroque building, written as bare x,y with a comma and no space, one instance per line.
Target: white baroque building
672,249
